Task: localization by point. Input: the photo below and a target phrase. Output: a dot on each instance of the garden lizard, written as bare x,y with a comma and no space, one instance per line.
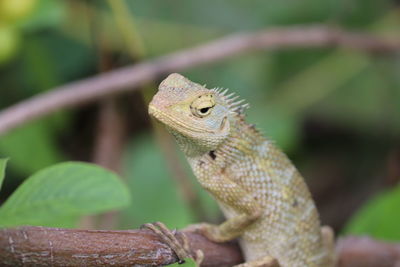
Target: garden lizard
264,198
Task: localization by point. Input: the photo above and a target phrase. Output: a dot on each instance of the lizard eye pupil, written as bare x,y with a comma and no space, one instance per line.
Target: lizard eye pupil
204,110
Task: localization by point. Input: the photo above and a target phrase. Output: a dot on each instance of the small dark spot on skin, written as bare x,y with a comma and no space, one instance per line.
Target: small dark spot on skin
223,123
295,203
223,169
212,154
201,163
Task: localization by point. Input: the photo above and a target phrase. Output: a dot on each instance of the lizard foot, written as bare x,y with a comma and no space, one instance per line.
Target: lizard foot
169,237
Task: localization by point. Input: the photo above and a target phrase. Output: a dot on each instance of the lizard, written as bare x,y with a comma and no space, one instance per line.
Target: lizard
261,193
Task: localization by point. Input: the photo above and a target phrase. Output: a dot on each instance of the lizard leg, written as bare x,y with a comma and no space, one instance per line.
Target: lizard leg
328,238
232,195
228,230
266,261
169,237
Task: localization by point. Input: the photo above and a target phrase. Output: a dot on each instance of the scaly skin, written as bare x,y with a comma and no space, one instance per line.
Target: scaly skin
263,196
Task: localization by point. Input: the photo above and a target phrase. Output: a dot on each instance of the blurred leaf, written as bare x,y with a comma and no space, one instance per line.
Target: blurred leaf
154,194
278,125
319,80
359,13
368,102
157,35
379,217
13,10
248,76
188,263
9,43
47,13
3,163
52,58
32,147
238,15
57,195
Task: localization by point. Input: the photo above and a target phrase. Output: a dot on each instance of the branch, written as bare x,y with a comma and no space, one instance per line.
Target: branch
41,246
366,252
129,78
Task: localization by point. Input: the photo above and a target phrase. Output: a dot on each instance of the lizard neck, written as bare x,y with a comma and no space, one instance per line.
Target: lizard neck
200,144
241,142
192,148
242,139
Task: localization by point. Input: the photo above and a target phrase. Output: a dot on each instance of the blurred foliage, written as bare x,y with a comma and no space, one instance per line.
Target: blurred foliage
379,217
46,43
9,40
3,163
57,196
12,10
144,161
155,196
15,146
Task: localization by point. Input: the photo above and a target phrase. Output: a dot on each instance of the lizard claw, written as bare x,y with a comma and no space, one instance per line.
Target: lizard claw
169,237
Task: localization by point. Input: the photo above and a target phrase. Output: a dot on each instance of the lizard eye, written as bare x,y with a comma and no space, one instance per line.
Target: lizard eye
202,106
204,111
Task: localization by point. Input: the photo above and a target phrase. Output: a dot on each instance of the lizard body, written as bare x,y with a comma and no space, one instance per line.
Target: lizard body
264,198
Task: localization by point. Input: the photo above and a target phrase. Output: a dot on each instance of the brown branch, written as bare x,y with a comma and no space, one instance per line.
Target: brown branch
131,77
366,252
41,246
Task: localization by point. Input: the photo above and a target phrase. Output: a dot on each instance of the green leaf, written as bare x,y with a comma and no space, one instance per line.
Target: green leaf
58,195
378,218
3,163
188,263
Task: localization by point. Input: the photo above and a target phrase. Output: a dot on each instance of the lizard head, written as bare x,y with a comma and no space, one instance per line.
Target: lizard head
199,118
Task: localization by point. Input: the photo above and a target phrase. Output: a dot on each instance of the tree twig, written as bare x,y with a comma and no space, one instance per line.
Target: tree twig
40,246
366,252
130,77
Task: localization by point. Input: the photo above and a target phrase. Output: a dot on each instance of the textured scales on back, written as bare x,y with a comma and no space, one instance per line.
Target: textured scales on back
261,193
